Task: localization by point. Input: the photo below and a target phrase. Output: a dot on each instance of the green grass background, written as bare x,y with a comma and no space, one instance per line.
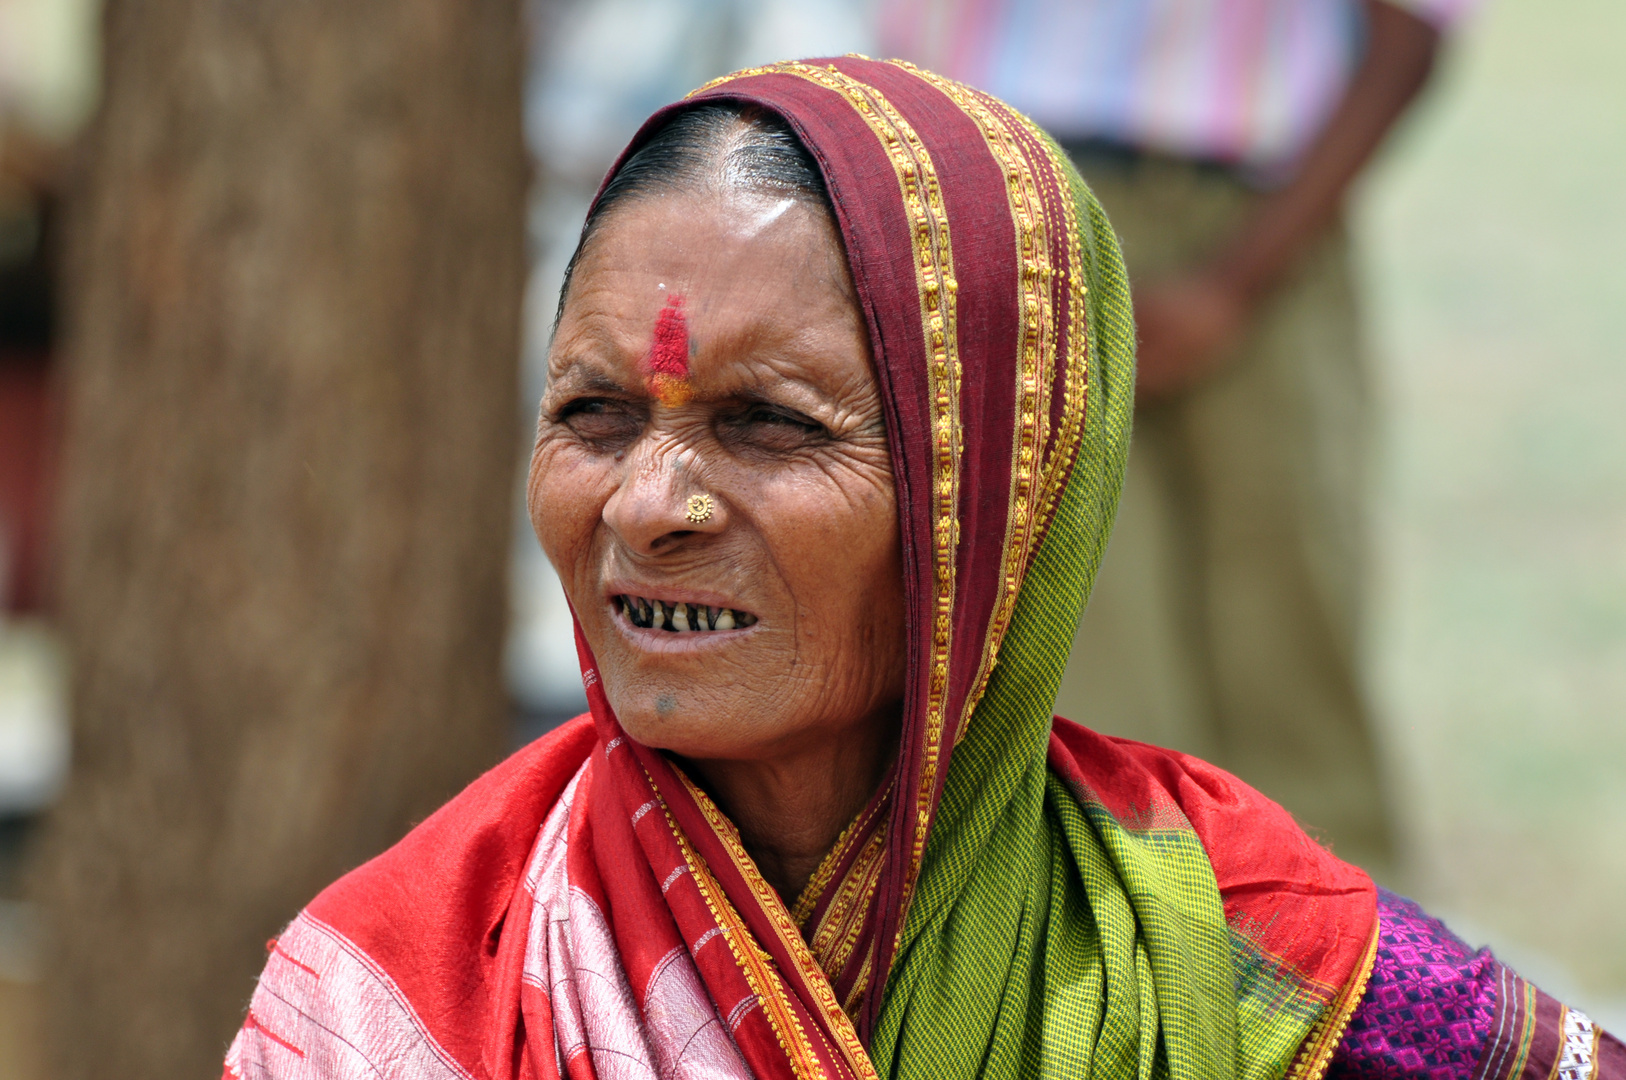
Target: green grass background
1493,235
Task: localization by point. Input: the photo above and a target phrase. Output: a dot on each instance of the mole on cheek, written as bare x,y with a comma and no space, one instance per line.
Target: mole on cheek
667,367
665,703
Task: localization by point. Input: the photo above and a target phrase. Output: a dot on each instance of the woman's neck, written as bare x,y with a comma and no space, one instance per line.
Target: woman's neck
792,806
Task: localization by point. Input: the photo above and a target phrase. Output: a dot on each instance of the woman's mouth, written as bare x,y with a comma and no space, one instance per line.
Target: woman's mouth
677,617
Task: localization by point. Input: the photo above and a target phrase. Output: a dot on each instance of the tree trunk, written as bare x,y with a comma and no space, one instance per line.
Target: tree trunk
295,267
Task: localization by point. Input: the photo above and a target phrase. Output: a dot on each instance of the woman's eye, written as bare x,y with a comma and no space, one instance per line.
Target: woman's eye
768,428
600,421
777,418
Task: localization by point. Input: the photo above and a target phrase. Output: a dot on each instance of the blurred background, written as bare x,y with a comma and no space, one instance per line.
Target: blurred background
274,305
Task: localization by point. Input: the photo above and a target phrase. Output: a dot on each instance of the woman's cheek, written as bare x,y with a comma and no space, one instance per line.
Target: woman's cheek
568,488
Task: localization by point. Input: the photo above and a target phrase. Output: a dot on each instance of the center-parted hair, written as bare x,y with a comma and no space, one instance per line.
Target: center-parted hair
717,144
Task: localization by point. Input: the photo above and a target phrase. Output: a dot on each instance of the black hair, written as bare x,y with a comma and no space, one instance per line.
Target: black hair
723,143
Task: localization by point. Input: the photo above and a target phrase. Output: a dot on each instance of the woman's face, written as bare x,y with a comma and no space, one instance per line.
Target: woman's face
710,346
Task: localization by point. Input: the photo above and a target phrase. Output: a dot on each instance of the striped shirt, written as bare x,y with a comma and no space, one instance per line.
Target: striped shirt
1248,82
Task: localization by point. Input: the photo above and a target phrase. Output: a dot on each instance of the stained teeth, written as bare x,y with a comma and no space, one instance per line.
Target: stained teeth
678,618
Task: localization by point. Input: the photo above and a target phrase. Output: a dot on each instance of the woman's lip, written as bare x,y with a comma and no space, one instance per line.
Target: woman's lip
652,640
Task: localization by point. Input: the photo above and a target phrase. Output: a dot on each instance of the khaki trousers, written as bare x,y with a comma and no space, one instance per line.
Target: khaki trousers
1225,618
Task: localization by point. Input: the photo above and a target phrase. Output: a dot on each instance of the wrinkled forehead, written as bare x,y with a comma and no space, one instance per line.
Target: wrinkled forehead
710,226
689,282
717,246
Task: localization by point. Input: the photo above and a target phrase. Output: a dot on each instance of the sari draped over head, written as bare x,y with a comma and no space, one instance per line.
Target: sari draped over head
1021,897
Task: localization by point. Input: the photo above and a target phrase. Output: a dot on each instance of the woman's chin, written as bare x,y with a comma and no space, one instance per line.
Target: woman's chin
687,727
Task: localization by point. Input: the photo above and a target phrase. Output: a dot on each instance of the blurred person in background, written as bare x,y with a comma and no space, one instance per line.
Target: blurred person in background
1221,136
47,88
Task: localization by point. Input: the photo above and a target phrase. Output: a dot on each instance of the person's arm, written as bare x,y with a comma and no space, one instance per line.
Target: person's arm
1482,1019
1186,322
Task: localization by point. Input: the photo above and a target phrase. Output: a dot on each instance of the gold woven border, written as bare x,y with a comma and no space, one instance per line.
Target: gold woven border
824,876
753,963
1036,482
837,934
790,938
1315,1053
855,996
1057,468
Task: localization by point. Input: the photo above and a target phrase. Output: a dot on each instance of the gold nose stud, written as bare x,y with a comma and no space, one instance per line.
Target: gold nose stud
700,508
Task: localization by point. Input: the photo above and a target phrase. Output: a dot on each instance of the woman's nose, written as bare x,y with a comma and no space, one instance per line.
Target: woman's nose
662,499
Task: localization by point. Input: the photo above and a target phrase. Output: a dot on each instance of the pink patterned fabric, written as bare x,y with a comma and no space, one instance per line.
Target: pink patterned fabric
363,1026
1437,1010
572,964
1429,1005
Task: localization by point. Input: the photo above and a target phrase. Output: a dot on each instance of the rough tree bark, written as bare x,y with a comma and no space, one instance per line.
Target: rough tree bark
296,260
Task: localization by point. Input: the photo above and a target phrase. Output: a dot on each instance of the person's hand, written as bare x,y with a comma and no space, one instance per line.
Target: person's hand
1186,325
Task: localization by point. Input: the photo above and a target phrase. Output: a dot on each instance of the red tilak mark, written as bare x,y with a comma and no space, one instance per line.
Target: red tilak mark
669,353
252,1022
668,362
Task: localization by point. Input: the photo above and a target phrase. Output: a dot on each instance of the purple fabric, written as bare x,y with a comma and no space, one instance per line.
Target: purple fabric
1429,1007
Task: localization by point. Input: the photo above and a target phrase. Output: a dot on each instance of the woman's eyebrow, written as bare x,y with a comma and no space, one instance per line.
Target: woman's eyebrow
582,377
758,395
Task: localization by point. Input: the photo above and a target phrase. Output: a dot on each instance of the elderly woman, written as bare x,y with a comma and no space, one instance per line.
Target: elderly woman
836,421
